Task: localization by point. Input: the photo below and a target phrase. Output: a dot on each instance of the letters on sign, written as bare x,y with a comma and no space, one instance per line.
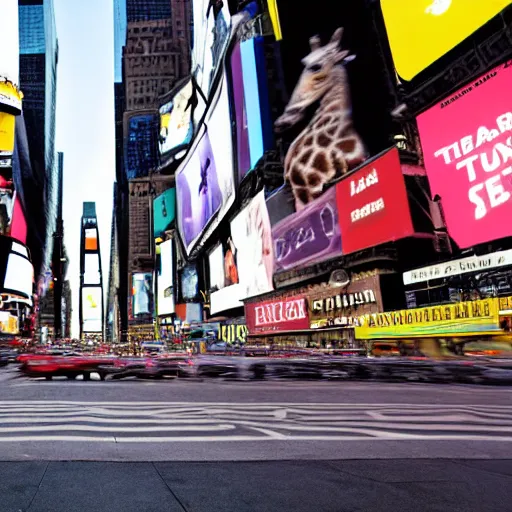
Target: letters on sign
462,310
280,312
343,301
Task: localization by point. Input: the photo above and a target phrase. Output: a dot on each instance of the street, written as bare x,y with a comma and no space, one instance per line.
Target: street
219,445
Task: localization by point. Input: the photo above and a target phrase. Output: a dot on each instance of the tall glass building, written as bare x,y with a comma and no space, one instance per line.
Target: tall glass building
148,10
38,81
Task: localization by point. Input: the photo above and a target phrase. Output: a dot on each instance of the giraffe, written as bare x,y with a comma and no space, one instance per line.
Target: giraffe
329,145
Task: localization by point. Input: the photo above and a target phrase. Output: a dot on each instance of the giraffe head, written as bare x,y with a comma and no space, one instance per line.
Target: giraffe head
316,79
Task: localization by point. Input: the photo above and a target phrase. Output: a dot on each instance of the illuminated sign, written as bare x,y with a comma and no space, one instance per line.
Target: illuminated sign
469,161
422,31
91,239
474,318
92,309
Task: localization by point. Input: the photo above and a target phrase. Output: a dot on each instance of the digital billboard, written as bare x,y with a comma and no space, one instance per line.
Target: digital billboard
309,236
468,161
252,238
7,124
422,31
165,279
92,309
373,206
216,267
92,269
205,185
142,294
164,212
251,103
176,126
91,239
212,22
9,42
189,283
19,275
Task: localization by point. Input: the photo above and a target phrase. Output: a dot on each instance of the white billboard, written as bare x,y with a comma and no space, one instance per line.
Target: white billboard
92,309
92,269
9,42
165,279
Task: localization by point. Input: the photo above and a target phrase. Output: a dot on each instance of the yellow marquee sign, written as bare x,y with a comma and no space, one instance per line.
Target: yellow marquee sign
480,317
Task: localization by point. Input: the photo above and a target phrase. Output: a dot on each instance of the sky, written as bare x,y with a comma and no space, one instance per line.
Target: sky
85,124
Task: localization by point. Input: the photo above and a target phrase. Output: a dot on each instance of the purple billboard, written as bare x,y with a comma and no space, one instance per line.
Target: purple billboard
309,236
205,185
242,129
199,194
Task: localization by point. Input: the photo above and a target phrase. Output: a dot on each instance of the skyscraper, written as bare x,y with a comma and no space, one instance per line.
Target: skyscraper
38,81
91,280
147,10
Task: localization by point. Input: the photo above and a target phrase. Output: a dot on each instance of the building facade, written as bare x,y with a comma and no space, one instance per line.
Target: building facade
38,81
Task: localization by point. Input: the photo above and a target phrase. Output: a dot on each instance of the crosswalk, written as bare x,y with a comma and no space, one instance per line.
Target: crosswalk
169,422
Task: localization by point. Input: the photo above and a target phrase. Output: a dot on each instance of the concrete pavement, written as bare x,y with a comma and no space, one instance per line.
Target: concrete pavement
327,486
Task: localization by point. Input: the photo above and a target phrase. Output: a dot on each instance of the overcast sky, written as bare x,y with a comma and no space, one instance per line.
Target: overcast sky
85,123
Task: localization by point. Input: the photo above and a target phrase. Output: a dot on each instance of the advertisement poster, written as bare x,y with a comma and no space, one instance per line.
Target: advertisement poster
477,318
92,269
252,238
189,283
205,184
373,206
309,236
91,239
142,294
212,22
165,279
176,126
216,265
164,212
92,309
278,315
469,161
19,275
422,31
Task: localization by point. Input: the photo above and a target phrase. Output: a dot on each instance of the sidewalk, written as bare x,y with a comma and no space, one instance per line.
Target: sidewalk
298,486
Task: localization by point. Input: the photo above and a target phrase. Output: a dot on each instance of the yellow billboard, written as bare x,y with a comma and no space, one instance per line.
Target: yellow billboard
6,132
10,95
478,317
422,31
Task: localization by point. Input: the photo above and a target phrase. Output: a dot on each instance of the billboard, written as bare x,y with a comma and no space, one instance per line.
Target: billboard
92,269
142,294
9,42
164,212
91,239
227,292
373,206
189,282
468,161
212,22
165,279
7,123
309,236
277,315
205,185
251,103
422,31
92,309
176,126
19,275
252,238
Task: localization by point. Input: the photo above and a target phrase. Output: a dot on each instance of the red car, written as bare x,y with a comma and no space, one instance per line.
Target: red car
70,366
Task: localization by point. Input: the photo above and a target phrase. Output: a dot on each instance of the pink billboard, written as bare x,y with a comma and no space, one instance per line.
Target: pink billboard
467,146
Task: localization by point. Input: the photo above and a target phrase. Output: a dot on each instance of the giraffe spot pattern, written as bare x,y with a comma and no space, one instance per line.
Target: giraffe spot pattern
302,195
296,178
323,140
320,163
314,179
331,131
347,145
304,159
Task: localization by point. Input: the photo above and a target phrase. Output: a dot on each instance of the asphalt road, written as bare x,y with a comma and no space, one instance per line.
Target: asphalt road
253,446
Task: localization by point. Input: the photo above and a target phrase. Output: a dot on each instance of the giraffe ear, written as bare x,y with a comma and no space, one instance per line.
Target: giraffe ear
315,43
336,37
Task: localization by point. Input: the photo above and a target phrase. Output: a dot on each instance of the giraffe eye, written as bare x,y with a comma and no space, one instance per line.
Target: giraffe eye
315,68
